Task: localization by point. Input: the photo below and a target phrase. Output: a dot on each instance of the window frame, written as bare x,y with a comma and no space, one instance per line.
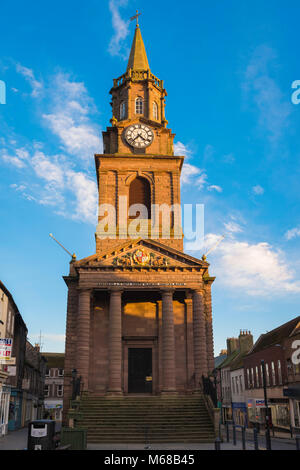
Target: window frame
139,105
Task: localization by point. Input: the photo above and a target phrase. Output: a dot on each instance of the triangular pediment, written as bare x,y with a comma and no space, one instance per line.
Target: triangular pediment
142,253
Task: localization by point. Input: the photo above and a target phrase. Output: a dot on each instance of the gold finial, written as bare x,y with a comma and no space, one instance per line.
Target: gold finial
136,17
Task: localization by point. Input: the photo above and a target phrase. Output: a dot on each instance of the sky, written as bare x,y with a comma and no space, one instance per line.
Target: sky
228,67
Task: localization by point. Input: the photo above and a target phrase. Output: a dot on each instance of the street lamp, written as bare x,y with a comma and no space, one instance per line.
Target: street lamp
268,438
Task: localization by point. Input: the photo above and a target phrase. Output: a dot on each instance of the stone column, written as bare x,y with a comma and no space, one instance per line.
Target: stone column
115,342
70,344
83,336
189,344
199,329
168,343
209,329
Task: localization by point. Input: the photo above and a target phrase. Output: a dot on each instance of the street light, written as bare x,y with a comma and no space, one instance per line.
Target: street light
268,438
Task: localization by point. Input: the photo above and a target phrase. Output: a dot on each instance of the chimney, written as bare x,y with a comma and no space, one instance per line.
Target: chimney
232,345
245,341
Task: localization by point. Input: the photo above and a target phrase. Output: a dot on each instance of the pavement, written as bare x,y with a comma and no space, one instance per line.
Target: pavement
17,440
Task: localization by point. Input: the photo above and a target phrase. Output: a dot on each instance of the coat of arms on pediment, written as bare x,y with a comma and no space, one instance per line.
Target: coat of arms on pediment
141,257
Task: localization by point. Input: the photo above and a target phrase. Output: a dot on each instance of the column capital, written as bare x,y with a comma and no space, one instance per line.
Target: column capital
198,291
167,290
82,290
116,290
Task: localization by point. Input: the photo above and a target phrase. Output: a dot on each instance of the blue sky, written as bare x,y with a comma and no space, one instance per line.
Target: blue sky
228,69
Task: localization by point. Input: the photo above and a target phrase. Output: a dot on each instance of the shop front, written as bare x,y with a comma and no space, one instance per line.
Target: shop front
15,410
280,413
293,394
4,408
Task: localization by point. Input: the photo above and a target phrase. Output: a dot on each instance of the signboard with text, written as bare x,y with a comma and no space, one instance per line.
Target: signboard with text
5,349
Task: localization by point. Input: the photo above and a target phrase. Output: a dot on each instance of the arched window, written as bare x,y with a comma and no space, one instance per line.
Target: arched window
122,110
279,372
155,111
139,105
140,193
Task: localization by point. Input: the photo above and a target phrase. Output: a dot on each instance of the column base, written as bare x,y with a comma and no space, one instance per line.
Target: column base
169,392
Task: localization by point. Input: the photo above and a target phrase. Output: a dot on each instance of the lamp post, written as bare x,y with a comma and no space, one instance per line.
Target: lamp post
268,438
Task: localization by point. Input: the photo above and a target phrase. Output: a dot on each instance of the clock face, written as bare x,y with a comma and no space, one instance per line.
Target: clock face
139,136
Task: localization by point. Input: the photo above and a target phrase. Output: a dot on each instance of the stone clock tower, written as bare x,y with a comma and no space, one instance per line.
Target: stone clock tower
139,318
138,164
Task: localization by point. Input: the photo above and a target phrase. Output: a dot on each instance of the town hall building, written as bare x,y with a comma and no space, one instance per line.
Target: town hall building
139,314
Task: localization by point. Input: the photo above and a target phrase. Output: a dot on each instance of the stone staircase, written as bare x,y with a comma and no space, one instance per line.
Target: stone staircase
140,419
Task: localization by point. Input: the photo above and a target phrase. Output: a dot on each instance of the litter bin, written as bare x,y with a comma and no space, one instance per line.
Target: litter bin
41,435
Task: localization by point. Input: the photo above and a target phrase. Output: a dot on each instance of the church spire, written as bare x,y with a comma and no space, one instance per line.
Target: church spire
138,57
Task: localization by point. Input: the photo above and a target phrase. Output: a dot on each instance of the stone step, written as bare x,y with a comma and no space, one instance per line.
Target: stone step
164,419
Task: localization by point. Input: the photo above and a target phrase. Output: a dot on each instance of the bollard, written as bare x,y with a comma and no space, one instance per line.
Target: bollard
227,432
218,444
244,437
255,439
234,435
268,439
297,442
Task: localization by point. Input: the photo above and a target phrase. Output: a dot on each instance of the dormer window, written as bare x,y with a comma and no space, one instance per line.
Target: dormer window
122,110
139,105
155,111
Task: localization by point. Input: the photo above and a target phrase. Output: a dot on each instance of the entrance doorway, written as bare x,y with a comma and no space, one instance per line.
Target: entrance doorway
140,370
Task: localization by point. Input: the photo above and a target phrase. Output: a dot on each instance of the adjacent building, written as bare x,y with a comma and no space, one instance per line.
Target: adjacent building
54,385
33,384
22,377
12,327
281,361
238,393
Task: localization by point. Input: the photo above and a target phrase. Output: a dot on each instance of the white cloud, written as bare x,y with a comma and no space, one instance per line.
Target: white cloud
254,268
188,172
201,181
37,87
260,87
86,193
214,187
293,233
258,190
121,29
182,150
13,160
233,227
70,107
46,169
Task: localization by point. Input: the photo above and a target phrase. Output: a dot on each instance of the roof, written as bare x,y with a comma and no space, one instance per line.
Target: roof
121,249
220,359
277,335
229,359
14,305
138,57
238,361
55,360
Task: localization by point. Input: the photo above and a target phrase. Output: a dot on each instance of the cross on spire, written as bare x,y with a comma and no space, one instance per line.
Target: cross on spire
136,17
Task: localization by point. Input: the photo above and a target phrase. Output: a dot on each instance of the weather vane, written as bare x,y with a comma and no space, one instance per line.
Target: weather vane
136,17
